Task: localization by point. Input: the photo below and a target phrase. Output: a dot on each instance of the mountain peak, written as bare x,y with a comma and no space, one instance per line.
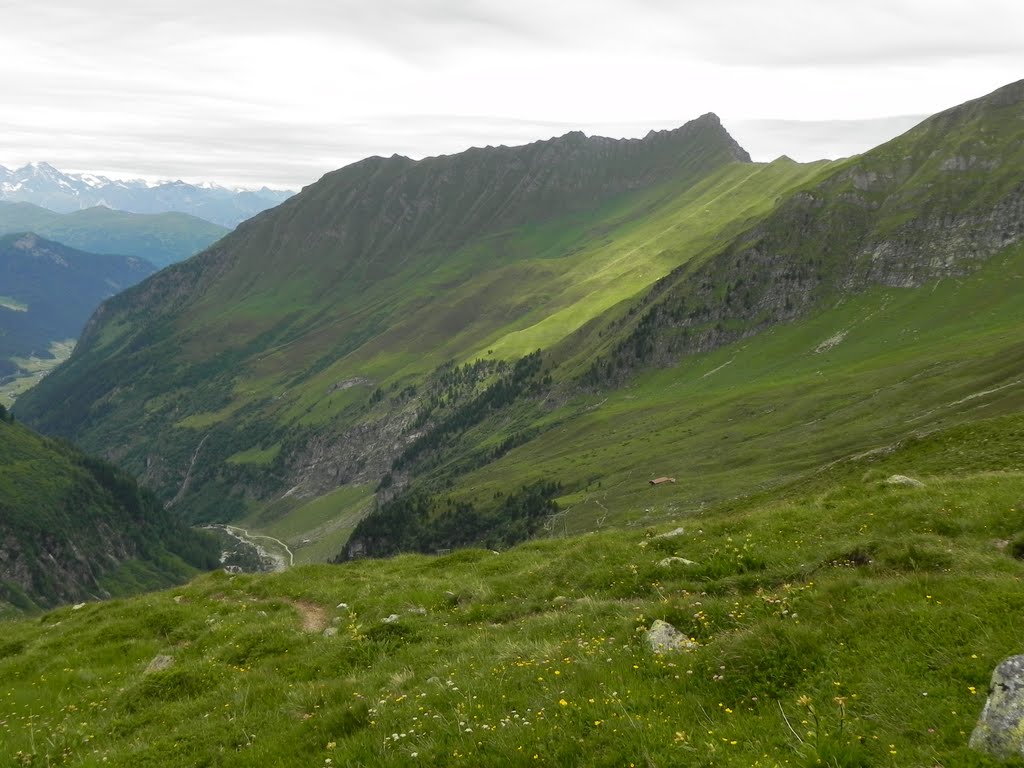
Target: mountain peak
572,137
40,165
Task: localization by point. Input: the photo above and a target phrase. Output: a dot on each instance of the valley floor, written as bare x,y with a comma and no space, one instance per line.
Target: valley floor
32,370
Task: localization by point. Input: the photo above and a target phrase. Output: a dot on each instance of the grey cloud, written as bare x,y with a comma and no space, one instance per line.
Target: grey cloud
867,34
406,28
748,32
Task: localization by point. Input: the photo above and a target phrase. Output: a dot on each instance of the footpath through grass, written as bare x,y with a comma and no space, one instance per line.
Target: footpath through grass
844,621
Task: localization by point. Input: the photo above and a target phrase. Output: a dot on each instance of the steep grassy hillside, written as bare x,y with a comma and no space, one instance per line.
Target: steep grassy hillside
372,278
48,291
882,366
160,238
844,621
73,527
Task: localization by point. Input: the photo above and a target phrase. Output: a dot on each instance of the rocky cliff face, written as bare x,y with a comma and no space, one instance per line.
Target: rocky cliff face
75,528
54,568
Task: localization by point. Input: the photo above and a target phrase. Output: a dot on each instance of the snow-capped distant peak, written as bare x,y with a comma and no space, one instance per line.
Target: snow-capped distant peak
42,184
93,181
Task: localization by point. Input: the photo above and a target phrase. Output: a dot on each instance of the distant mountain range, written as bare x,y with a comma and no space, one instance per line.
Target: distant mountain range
44,185
162,238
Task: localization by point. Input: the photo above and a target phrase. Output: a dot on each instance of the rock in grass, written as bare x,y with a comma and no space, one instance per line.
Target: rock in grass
904,480
667,562
1000,729
159,663
671,534
664,638
391,619
330,632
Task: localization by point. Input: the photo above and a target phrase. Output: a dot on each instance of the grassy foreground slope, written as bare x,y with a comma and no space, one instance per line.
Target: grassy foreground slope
840,621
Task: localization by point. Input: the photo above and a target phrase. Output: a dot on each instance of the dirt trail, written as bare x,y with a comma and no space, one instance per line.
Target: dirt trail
314,617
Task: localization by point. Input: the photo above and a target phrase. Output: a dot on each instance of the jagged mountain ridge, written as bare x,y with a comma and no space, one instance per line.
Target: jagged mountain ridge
160,238
487,190
42,184
364,220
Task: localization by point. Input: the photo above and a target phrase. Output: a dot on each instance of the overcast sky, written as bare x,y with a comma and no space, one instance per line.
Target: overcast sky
279,92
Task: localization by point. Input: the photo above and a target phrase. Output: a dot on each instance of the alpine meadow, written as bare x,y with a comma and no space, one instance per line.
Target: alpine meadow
590,451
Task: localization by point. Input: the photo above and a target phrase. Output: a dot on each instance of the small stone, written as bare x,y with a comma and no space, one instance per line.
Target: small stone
670,561
159,663
904,480
179,599
77,606
417,610
1000,729
671,534
662,637
391,619
342,606
330,632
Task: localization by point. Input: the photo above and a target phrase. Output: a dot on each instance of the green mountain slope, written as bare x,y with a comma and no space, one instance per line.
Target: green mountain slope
363,346
379,273
73,527
882,367
160,238
840,621
48,291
